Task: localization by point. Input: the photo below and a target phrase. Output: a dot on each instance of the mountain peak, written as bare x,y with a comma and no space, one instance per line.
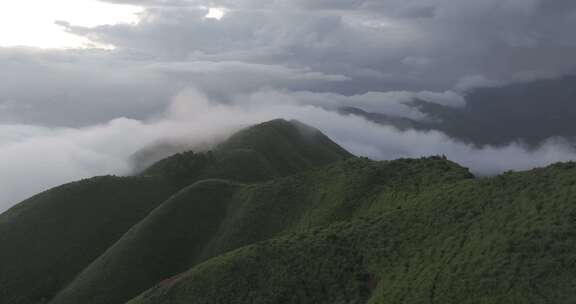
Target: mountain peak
260,152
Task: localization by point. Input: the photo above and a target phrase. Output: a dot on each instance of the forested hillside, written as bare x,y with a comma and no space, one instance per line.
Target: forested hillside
50,238
281,214
454,239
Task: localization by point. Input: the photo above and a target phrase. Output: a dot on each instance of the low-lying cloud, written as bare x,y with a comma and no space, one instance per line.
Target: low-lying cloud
35,158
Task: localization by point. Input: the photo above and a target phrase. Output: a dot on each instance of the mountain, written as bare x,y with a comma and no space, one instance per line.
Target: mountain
406,231
281,214
157,151
529,112
50,238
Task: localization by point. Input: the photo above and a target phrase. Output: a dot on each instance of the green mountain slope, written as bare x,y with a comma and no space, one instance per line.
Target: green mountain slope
213,217
165,243
508,239
48,240
280,214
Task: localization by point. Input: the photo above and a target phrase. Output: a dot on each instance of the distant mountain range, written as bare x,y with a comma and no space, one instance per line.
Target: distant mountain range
527,112
279,213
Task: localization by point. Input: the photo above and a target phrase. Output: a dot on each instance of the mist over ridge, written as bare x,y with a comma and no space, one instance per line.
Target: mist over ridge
193,121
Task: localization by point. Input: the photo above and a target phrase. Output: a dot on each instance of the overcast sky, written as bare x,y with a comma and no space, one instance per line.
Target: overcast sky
86,83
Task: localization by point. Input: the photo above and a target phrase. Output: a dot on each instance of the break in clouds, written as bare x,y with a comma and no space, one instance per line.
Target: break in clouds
70,114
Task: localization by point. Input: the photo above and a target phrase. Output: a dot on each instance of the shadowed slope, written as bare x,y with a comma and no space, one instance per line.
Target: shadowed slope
47,239
166,242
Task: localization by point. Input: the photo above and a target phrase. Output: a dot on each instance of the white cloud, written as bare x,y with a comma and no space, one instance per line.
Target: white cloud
34,158
394,103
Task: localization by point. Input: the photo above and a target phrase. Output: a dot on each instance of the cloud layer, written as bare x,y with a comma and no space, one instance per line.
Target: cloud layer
348,47
34,158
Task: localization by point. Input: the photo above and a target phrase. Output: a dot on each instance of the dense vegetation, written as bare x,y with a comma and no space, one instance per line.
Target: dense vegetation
47,240
508,239
214,216
302,222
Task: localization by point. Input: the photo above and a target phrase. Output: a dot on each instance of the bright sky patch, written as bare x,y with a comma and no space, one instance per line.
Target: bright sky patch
32,22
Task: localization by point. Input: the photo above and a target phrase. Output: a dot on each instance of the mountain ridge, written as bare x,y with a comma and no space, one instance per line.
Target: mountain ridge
281,214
